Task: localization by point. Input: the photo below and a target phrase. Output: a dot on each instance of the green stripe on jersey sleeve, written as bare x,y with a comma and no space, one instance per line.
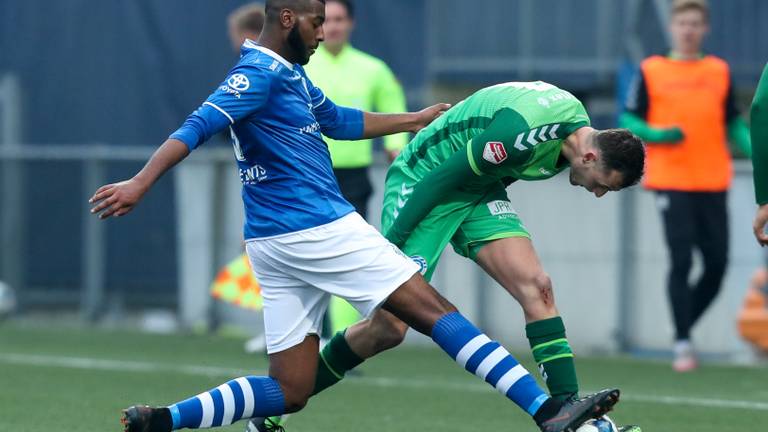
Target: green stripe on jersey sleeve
472,163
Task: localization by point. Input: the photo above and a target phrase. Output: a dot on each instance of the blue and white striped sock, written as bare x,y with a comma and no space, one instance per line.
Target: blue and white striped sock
485,358
244,397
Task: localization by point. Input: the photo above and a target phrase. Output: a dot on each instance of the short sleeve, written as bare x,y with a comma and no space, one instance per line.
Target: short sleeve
243,92
504,142
509,142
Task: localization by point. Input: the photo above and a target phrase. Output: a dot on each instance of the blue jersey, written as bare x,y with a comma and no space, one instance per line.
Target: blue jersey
275,116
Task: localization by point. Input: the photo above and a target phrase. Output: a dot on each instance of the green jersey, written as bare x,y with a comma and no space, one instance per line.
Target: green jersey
357,80
759,113
507,132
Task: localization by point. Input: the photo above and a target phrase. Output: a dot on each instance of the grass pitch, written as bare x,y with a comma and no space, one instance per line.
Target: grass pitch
78,380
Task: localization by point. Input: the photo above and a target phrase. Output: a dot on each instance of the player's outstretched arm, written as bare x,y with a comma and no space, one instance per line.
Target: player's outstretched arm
117,199
380,124
759,121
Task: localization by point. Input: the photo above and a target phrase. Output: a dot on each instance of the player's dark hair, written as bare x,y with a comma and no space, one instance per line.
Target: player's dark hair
273,7
249,17
686,5
622,151
349,5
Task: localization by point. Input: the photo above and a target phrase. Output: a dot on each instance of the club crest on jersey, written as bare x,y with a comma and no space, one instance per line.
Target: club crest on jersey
494,152
422,262
238,82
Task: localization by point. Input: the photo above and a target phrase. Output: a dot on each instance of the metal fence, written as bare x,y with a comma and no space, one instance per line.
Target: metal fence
607,256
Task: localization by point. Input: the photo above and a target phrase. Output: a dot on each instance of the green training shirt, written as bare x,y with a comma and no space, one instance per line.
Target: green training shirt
357,80
507,132
759,125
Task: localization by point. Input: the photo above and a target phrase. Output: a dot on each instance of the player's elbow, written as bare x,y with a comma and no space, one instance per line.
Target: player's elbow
343,132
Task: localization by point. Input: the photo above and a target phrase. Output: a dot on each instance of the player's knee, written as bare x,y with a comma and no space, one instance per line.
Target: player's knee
389,334
295,405
295,399
536,295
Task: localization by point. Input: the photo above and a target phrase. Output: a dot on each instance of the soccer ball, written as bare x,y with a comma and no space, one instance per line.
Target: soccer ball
7,301
603,424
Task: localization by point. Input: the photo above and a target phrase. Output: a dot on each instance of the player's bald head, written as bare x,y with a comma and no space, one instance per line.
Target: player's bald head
273,7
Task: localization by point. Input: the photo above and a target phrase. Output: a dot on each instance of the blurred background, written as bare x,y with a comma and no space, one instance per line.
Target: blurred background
88,90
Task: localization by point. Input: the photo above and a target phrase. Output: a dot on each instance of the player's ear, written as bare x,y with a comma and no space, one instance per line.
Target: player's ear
589,158
287,18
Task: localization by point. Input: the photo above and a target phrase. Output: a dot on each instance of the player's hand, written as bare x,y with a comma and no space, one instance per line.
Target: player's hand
761,219
427,115
117,199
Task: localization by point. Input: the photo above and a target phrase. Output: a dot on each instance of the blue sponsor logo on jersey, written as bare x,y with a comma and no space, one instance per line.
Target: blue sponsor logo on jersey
418,259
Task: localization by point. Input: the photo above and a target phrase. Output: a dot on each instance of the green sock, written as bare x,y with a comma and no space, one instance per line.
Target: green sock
335,359
554,356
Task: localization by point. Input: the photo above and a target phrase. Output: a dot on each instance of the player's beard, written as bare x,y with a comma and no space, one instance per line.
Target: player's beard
298,46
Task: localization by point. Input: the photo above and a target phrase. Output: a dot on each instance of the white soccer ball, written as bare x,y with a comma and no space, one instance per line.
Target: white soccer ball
7,300
603,424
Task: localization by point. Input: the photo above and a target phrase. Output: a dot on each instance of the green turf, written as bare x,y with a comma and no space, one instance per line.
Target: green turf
43,387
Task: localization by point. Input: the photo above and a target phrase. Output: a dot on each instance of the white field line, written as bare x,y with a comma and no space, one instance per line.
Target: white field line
87,363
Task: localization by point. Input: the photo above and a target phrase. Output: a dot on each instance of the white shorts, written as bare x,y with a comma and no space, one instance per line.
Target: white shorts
298,272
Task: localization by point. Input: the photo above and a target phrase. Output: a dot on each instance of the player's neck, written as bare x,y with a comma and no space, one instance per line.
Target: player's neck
685,54
277,45
335,50
576,144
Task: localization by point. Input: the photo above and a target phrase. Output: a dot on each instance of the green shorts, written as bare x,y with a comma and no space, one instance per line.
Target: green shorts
467,220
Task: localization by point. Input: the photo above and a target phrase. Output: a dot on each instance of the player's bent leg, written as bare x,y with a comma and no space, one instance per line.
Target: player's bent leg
514,264
294,369
285,390
346,350
380,333
419,305
349,348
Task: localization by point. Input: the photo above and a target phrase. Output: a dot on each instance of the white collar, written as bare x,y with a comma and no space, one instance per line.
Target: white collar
251,44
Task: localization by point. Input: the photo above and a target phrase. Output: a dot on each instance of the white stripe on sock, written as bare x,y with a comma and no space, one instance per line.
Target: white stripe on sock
470,348
245,386
207,402
229,404
510,378
490,362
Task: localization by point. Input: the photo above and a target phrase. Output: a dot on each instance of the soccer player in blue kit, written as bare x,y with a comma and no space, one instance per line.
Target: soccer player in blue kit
306,243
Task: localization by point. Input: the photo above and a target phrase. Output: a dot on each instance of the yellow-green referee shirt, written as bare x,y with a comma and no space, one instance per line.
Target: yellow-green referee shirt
357,80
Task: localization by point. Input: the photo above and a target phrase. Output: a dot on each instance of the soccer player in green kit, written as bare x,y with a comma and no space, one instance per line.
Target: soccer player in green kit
448,186
759,122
